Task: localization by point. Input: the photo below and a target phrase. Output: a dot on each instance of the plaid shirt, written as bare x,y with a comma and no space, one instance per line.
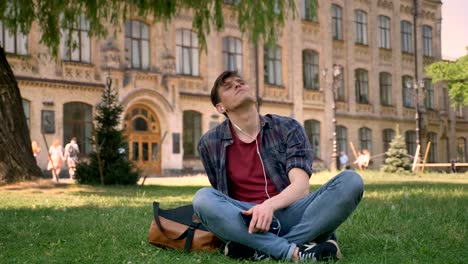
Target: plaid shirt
284,146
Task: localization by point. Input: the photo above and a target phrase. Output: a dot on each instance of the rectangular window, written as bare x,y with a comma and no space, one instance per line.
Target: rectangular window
388,135
137,50
406,37
408,91
410,138
342,139
232,54
429,96
384,32
427,40
365,138
385,88
337,22
340,96
187,52
362,86
307,12
311,69
78,48
360,21
272,65
312,129
15,43
432,137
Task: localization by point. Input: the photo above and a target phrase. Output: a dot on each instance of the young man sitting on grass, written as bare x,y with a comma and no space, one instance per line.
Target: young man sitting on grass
259,168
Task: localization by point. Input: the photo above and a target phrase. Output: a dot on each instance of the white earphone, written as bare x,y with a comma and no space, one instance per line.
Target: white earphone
222,108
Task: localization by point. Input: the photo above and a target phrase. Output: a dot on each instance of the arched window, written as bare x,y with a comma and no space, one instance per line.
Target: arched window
232,54
362,86
385,80
410,139
360,22
406,37
427,40
342,139
312,129
77,122
388,135
432,137
191,133
461,149
310,63
187,52
408,91
365,138
272,65
337,22
137,44
384,32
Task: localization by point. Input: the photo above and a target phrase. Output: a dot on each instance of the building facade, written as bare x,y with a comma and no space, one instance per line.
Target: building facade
163,80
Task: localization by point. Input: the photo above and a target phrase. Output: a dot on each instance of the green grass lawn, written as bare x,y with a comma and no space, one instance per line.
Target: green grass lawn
401,219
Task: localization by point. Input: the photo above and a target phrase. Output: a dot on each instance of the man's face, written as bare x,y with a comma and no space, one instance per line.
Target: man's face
235,92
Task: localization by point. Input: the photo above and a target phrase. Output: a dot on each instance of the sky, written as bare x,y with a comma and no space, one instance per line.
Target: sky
454,28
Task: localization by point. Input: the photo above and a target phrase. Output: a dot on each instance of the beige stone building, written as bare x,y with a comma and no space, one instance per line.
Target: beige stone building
163,80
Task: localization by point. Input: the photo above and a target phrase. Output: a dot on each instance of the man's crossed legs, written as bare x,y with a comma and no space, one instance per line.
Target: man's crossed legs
315,217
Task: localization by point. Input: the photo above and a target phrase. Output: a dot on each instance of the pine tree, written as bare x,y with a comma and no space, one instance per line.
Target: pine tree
108,164
397,156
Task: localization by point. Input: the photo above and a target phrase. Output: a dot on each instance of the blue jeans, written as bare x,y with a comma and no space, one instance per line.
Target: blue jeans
314,217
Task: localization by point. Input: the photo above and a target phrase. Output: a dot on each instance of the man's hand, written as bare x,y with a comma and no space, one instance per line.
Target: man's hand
262,216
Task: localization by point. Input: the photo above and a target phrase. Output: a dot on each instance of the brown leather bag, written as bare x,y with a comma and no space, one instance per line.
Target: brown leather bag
179,228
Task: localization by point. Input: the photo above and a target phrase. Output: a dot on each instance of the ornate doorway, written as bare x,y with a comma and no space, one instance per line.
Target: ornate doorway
143,133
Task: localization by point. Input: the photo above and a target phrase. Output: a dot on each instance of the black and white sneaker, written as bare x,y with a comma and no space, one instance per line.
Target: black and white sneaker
238,251
326,251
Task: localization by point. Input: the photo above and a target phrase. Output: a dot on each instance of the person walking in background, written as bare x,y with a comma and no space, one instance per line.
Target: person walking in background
71,156
35,149
55,159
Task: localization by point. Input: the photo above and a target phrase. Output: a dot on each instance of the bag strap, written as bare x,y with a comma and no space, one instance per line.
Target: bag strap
188,233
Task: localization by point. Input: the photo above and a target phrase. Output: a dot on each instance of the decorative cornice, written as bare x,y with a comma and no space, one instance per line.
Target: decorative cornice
54,83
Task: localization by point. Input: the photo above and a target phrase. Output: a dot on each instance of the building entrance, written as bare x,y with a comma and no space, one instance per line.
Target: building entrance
143,133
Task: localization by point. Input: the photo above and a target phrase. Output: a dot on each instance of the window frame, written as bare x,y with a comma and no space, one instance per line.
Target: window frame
18,39
387,136
132,38
312,128
361,86
81,29
337,22
406,37
365,138
385,84
193,132
276,62
310,69
427,40
192,50
407,93
230,55
384,32
429,94
360,27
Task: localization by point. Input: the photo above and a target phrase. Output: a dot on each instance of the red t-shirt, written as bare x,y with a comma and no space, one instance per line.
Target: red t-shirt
246,180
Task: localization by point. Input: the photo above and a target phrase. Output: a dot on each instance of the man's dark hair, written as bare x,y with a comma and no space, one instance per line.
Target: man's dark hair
220,81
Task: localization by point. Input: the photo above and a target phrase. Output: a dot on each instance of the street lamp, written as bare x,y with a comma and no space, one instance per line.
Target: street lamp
337,74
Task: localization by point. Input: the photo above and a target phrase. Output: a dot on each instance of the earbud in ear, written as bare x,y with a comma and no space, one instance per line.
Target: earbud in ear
222,108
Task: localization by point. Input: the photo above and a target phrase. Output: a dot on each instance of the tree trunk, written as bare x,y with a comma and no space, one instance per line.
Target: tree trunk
17,162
